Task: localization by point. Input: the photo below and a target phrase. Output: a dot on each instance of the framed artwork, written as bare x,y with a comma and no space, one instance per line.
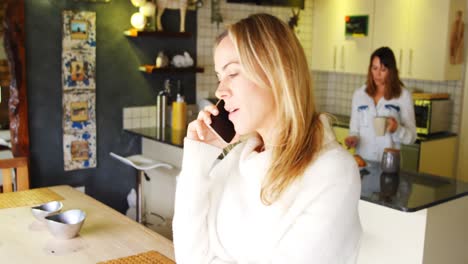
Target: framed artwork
78,86
79,111
78,70
78,29
79,150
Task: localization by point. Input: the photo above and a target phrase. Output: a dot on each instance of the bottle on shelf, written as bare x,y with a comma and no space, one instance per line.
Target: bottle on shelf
179,110
161,104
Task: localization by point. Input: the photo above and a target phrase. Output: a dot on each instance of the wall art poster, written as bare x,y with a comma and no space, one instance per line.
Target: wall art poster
79,89
79,151
78,70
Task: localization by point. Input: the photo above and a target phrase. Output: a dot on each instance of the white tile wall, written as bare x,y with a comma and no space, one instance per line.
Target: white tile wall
140,116
145,116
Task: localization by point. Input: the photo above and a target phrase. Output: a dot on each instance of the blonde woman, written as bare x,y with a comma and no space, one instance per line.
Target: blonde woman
288,193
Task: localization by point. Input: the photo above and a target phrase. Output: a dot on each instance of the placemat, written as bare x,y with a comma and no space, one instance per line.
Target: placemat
150,257
28,198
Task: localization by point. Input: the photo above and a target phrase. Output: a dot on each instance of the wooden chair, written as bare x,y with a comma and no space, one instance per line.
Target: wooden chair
20,165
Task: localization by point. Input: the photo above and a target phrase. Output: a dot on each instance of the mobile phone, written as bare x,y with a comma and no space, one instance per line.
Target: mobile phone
221,125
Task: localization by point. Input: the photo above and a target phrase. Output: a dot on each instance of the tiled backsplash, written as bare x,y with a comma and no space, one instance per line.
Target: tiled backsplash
334,91
137,117
145,116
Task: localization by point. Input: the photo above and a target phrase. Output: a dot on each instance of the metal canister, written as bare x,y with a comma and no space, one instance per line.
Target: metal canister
161,105
161,108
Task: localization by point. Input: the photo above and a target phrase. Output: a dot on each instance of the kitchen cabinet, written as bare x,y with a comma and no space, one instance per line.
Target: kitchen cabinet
341,133
331,49
438,156
430,29
394,13
418,31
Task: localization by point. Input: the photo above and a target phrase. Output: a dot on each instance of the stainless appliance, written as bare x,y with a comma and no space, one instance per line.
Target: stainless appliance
432,115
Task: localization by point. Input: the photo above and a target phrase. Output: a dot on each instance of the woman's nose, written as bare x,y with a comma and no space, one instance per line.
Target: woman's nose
222,92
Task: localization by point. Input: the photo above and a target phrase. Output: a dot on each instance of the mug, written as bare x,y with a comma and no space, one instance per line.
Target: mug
390,160
380,124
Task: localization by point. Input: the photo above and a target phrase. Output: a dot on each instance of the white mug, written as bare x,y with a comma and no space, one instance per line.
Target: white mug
380,125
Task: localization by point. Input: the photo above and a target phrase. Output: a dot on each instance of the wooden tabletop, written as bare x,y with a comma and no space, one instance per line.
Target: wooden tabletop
106,234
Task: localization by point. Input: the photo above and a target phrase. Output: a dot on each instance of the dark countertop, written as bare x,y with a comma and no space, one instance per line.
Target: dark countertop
165,135
408,191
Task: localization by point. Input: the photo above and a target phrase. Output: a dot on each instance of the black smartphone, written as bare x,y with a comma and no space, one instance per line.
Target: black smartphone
221,124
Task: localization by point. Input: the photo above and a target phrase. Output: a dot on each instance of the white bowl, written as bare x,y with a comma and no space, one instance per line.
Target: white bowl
46,209
66,225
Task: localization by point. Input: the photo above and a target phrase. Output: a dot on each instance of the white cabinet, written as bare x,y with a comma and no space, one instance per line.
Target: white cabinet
325,35
430,27
332,51
391,29
418,31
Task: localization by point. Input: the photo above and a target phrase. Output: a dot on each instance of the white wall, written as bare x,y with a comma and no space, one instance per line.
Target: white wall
463,134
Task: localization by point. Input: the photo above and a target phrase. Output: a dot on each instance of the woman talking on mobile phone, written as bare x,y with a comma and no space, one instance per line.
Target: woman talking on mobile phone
287,193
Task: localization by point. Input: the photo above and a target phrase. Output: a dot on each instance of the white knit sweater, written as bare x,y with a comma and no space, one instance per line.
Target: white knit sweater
219,217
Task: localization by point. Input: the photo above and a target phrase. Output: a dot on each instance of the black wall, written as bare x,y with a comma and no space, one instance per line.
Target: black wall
118,84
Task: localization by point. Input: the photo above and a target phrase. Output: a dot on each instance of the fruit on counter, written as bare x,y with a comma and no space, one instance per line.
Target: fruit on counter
359,160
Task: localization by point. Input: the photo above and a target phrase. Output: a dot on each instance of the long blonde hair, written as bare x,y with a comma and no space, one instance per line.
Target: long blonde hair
273,58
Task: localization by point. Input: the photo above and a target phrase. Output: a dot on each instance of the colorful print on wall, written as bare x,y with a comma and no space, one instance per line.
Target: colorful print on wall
79,151
78,70
79,86
79,30
79,112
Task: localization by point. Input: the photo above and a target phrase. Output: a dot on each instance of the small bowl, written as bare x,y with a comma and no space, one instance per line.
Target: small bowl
66,225
46,209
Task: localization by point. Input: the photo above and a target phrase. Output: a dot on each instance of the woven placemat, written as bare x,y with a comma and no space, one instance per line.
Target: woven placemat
150,257
28,198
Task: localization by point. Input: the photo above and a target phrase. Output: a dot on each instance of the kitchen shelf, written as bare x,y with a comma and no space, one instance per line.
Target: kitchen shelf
152,69
133,33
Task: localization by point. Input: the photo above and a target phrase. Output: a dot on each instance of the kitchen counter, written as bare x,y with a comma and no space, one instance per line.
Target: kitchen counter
408,191
408,218
164,135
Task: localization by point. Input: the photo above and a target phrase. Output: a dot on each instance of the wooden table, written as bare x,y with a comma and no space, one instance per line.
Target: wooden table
106,234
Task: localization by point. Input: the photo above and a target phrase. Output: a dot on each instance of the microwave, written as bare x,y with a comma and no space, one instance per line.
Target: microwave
432,115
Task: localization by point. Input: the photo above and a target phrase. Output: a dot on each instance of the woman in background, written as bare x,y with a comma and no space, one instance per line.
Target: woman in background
288,193
382,96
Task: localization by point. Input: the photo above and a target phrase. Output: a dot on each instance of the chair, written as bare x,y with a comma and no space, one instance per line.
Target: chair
20,165
142,164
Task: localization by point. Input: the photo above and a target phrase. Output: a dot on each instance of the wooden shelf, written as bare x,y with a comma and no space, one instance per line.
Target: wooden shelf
152,69
136,33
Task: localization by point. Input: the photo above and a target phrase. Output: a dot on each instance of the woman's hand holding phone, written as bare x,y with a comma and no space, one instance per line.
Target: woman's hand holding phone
201,129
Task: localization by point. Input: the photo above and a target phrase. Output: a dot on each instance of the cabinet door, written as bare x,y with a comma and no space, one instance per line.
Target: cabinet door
431,24
341,133
325,34
438,157
428,38
355,52
391,30
331,49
